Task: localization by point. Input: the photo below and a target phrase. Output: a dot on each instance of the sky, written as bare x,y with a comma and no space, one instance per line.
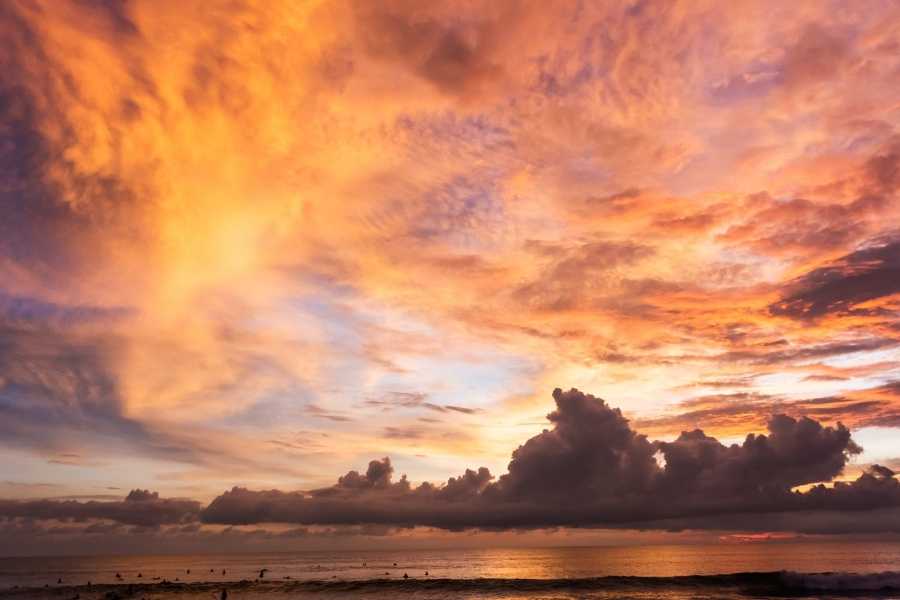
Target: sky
335,272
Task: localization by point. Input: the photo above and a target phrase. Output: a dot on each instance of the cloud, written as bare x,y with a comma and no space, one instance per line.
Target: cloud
318,411
213,218
577,275
777,354
453,57
394,400
57,390
593,470
140,507
870,273
739,411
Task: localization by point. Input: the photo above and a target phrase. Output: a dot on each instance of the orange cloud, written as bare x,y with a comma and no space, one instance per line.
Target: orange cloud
219,219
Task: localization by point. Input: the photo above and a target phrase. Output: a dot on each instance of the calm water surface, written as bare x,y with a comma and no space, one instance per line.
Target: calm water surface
498,573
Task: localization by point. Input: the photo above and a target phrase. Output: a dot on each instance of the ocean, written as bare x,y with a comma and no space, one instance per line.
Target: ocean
757,570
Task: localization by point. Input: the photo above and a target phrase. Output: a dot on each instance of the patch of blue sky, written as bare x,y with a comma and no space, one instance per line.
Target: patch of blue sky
82,473
863,358
795,386
271,408
880,444
476,380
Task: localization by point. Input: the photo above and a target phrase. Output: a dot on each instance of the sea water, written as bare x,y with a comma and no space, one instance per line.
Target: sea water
760,570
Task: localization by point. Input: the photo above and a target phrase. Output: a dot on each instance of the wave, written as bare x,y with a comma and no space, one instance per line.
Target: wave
758,584
775,583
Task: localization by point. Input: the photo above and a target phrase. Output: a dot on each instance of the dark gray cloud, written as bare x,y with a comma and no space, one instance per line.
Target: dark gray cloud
141,507
593,470
867,274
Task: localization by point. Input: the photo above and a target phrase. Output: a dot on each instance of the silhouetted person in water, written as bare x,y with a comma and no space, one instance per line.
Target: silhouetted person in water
262,573
224,595
426,573
406,576
223,571
188,571
139,575
59,580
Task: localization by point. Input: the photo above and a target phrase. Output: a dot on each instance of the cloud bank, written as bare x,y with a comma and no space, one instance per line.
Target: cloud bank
140,507
593,470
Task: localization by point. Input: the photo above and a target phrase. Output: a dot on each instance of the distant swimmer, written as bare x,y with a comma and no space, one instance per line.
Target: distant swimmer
188,571
262,573
406,576
426,573
59,580
139,575
223,571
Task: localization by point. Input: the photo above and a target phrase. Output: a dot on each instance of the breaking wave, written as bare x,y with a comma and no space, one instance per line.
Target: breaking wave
786,583
752,584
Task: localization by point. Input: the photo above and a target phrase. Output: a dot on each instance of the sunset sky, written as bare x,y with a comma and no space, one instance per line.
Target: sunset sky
257,245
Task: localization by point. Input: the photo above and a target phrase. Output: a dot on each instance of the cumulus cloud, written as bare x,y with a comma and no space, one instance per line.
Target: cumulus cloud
593,469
